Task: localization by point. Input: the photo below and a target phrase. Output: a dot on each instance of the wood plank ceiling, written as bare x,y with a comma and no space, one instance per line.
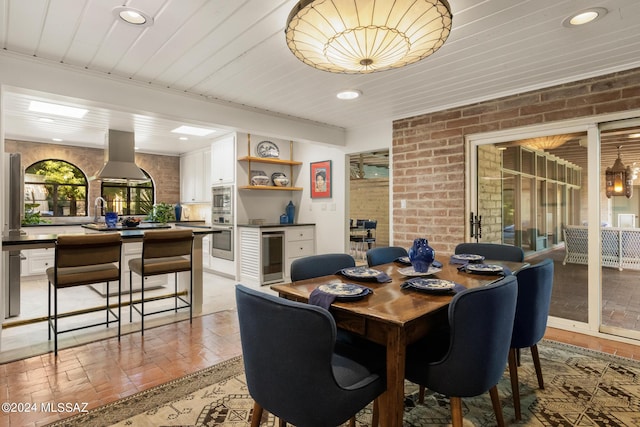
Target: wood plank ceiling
235,52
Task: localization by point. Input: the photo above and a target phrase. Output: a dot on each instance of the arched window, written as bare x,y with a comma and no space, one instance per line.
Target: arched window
128,199
55,188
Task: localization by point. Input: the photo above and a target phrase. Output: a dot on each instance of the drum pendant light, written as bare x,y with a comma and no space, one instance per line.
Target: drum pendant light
365,36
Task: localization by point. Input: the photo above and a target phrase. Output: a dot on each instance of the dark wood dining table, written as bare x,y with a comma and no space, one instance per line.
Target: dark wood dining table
393,317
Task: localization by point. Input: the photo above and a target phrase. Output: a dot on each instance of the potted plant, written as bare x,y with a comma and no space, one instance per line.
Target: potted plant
161,212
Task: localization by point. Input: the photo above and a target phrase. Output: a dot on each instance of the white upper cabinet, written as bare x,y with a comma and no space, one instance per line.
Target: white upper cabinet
195,176
223,160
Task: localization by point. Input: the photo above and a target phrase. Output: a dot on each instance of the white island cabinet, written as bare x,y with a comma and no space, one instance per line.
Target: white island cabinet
267,251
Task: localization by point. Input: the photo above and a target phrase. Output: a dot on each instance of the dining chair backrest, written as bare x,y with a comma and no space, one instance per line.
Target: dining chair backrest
480,322
319,265
290,366
384,255
495,251
535,284
370,224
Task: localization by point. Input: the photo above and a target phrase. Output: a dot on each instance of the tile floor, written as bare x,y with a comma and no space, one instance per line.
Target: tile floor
105,370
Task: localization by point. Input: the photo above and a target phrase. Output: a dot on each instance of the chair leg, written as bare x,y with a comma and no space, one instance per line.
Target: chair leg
375,419
107,299
142,303
49,309
515,388
536,363
119,305
421,394
497,408
257,415
175,292
282,423
352,421
456,411
55,321
130,296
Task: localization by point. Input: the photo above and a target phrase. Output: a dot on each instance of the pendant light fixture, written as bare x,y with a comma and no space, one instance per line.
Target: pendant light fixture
364,36
619,180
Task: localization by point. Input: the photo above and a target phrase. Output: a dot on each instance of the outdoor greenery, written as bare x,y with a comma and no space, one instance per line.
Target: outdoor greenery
63,186
162,212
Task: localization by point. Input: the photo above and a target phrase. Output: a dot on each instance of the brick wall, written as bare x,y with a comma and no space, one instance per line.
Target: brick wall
164,170
428,150
369,199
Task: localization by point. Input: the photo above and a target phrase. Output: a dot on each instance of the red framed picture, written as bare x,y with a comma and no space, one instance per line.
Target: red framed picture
321,179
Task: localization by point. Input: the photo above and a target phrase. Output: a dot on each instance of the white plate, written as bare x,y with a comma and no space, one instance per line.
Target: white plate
436,285
342,289
410,272
469,257
361,272
267,149
484,268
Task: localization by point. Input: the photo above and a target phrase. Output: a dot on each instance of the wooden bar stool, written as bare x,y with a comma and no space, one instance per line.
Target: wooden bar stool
80,260
163,252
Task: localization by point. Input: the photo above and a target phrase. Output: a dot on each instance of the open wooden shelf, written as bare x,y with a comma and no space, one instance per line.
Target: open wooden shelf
270,160
269,187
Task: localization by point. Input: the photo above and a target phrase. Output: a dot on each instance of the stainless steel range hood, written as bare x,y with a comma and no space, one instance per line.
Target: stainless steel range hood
119,159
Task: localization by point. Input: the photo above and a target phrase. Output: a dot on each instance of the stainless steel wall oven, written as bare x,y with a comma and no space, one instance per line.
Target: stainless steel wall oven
222,242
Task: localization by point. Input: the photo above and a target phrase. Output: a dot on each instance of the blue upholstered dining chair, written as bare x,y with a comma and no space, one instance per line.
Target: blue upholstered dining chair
383,255
470,359
290,366
534,297
494,251
319,265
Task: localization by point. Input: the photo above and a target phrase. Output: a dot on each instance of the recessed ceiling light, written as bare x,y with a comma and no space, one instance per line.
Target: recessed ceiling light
634,135
57,139
183,138
45,120
349,94
57,109
584,17
191,130
133,16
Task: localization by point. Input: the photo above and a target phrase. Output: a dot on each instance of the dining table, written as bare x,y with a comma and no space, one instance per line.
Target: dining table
394,316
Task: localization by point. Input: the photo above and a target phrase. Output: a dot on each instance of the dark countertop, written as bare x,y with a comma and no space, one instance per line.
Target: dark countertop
11,242
88,222
274,225
120,227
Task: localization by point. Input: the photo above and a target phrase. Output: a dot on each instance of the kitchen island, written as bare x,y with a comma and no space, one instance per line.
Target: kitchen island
19,242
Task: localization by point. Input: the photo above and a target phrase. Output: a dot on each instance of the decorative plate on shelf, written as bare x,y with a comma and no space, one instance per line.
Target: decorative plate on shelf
431,285
468,257
342,289
410,272
484,268
267,149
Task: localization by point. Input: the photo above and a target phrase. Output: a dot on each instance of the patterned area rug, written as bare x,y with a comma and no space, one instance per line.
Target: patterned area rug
582,388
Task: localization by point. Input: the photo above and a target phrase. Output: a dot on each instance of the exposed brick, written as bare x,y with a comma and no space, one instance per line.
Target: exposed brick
164,170
432,165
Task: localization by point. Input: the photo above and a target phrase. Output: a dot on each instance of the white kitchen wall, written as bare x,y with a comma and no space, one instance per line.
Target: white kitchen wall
328,214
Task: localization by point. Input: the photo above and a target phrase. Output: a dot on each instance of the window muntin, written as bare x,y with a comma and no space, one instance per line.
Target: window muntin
55,188
129,199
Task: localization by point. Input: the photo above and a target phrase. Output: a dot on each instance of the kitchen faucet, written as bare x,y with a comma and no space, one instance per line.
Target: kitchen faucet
97,215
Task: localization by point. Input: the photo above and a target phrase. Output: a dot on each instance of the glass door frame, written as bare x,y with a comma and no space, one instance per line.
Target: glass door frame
590,125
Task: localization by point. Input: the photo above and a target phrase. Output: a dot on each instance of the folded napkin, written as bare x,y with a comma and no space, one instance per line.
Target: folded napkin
504,272
380,277
403,260
409,285
325,299
454,260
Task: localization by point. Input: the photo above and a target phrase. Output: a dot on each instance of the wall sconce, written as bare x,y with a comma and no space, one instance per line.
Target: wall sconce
619,180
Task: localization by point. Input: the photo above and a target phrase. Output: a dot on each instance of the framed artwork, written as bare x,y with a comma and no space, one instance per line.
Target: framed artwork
321,179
